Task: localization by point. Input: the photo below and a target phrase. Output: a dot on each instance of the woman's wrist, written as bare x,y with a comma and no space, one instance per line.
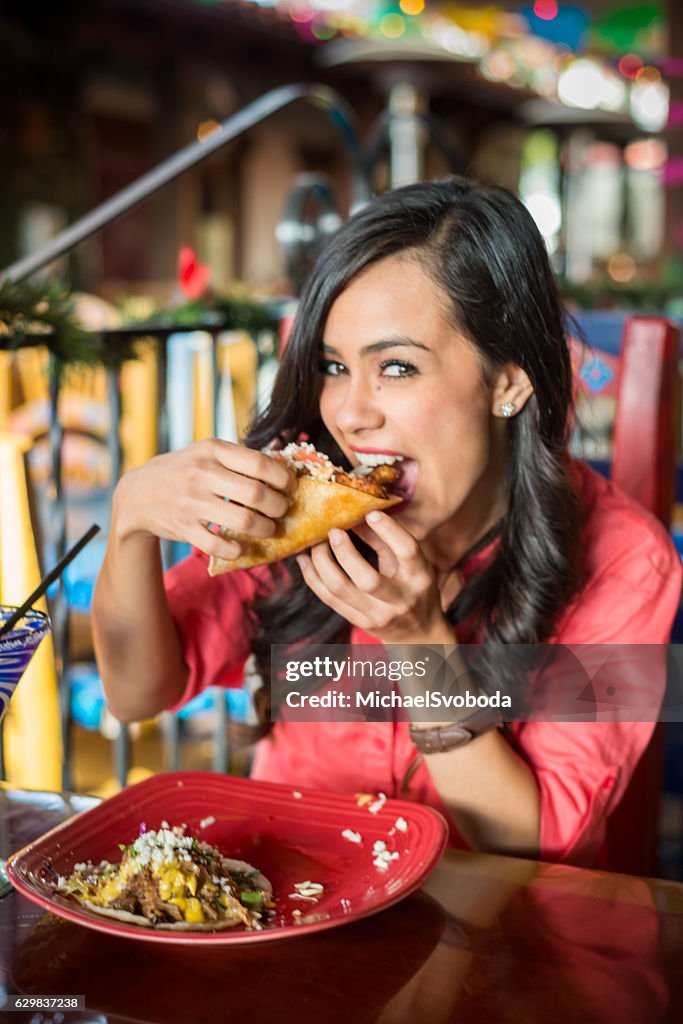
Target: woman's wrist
440,634
125,522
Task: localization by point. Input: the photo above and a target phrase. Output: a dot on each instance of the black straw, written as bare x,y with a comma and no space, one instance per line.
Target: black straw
50,578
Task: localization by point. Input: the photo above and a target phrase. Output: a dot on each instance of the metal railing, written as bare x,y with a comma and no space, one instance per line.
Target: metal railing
317,95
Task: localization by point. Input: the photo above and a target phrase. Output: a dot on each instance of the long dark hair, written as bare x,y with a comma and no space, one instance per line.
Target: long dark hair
481,246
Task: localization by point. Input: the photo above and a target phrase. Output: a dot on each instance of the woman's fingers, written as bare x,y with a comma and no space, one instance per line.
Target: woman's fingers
212,544
333,577
236,517
358,570
313,579
401,543
177,494
246,491
250,463
372,539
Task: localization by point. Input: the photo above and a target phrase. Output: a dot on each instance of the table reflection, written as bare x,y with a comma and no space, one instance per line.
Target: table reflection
529,942
290,980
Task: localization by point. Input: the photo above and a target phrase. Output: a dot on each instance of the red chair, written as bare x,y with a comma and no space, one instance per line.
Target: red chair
645,447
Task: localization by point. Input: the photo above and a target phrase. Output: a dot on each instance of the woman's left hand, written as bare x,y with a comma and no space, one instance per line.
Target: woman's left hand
399,602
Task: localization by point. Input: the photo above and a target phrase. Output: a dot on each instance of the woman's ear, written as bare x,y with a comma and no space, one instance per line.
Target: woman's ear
511,391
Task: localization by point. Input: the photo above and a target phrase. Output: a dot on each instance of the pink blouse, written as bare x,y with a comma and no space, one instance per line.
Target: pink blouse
582,767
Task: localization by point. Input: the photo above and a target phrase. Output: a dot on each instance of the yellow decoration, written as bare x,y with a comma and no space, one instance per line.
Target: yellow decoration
204,425
32,727
139,402
31,366
5,389
239,358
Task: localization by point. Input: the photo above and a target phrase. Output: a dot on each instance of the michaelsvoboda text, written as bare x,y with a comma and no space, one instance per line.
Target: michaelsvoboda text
379,699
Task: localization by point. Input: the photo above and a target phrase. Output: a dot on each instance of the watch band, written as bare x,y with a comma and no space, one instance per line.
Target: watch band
439,739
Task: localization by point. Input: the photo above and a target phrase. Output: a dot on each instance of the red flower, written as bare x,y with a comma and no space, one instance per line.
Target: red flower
193,276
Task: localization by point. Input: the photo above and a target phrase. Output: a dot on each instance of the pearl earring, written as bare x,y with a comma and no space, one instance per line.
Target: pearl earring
507,409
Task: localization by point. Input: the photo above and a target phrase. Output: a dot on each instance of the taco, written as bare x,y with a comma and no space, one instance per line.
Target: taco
175,882
326,497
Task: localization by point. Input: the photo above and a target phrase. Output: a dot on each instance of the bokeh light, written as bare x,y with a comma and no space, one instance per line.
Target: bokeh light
206,129
630,64
646,154
649,102
392,26
546,9
621,267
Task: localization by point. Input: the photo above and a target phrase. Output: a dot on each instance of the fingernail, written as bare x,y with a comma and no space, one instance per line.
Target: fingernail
336,537
373,517
302,561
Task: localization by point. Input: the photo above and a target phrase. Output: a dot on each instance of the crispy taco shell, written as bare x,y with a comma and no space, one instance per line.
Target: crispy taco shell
318,506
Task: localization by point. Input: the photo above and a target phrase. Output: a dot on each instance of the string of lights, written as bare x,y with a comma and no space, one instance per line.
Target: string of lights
554,49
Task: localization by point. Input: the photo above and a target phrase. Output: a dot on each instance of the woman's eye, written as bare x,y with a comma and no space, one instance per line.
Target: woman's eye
329,368
398,368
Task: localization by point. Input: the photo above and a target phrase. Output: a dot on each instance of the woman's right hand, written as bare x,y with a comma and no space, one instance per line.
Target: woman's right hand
177,495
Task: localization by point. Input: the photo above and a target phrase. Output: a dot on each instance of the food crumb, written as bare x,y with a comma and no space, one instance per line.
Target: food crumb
353,837
314,887
309,891
296,794
382,857
378,804
205,822
363,799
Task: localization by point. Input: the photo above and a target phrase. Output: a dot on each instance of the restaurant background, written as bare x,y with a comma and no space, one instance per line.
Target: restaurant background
578,107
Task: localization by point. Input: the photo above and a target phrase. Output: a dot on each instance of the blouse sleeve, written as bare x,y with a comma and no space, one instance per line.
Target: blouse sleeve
583,767
212,617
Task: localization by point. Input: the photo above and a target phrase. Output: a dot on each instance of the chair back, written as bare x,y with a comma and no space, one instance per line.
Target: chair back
645,446
647,422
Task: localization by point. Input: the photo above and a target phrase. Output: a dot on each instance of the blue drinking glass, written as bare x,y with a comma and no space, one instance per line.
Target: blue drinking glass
17,648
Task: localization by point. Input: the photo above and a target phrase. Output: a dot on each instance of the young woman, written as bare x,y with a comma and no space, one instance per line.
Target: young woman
430,328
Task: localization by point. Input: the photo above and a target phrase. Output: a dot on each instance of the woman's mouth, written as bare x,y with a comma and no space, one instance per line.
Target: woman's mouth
408,473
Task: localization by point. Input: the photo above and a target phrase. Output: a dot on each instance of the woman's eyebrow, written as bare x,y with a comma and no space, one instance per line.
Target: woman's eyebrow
380,346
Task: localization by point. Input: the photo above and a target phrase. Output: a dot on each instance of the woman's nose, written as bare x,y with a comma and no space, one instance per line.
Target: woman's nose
359,407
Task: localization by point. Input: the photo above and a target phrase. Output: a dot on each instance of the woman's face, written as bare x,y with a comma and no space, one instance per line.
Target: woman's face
399,379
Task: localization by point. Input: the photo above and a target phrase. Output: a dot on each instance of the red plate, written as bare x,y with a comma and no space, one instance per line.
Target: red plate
292,836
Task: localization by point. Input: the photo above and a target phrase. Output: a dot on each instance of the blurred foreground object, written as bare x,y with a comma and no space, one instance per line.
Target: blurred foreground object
32,730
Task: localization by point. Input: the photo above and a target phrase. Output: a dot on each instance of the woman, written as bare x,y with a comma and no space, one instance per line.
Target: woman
430,328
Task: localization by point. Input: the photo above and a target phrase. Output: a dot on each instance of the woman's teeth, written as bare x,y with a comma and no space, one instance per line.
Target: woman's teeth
366,459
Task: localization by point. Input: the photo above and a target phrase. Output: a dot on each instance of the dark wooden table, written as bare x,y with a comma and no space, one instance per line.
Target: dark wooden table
488,940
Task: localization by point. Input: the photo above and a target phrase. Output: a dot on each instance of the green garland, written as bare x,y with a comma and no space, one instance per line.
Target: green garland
43,314
230,313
